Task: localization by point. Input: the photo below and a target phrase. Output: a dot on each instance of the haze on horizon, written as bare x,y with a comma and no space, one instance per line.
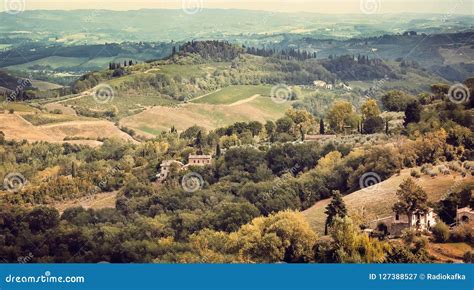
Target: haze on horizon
314,6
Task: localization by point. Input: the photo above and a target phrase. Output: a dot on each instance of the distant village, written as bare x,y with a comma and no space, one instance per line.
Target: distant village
329,86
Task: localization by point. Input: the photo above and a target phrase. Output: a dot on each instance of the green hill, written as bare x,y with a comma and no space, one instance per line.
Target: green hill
220,74
233,94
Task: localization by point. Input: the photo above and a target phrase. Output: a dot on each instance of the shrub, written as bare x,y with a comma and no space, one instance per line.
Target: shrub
426,169
440,232
455,166
443,170
468,257
463,233
415,173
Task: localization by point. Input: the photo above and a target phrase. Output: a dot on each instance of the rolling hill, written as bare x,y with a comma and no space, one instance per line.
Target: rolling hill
213,84
233,94
208,115
17,127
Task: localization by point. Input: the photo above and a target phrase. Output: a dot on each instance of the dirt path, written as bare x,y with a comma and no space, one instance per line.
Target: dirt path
200,97
82,95
152,69
244,101
23,120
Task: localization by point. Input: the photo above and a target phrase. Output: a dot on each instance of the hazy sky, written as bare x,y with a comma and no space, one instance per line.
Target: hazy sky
320,6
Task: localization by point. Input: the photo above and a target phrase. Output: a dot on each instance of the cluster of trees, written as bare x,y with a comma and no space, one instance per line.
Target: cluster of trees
447,207
350,68
293,126
396,101
80,235
114,66
209,50
343,118
284,53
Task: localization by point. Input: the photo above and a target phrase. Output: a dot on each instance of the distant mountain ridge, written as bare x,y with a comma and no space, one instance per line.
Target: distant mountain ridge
165,25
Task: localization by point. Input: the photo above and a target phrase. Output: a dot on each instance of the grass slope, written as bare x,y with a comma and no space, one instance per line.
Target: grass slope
44,118
233,94
58,127
157,119
449,252
377,201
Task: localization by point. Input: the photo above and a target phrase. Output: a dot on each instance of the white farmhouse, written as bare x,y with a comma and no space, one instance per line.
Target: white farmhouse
320,84
395,224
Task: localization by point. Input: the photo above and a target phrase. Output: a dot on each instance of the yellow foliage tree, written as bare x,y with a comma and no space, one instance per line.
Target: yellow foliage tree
352,246
304,121
328,162
370,109
285,236
341,115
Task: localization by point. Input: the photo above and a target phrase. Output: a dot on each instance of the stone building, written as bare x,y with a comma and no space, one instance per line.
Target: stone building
395,224
165,169
320,84
199,160
193,160
318,138
465,215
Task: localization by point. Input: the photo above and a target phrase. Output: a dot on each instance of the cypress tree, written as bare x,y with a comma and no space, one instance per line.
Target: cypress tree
322,131
336,208
218,151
